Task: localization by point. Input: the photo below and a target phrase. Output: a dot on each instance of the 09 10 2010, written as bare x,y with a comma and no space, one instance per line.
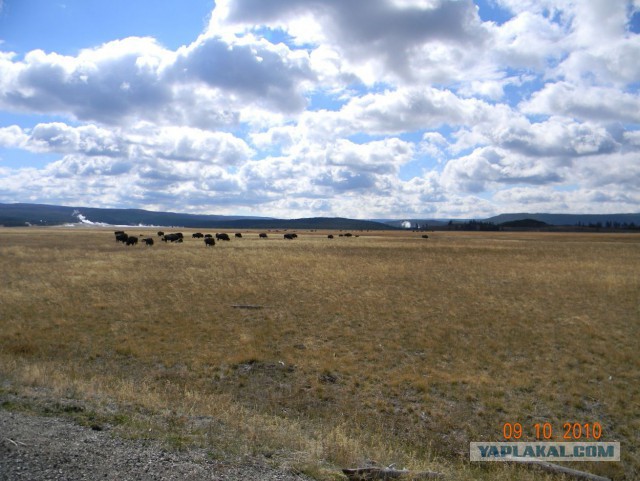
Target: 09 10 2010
573,431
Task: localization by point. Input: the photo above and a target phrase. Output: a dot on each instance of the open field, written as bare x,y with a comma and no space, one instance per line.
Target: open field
320,354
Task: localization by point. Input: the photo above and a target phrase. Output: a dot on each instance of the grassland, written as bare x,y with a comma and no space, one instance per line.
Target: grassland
384,347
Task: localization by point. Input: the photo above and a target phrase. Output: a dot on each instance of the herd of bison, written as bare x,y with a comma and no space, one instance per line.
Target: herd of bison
209,239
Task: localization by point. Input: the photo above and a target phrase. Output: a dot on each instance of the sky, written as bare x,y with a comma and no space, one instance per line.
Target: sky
305,108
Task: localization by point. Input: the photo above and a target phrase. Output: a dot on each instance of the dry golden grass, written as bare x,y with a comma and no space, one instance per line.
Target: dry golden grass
387,346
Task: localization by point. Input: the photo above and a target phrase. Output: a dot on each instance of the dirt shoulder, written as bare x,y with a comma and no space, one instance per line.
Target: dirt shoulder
38,448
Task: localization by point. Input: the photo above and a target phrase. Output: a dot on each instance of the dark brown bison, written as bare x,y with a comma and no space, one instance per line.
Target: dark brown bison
239,235
330,236
131,241
223,236
197,235
262,235
290,236
209,241
172,237
148,241
121,237
160,233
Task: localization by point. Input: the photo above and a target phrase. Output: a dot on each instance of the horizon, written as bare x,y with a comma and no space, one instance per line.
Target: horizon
398,109
83,217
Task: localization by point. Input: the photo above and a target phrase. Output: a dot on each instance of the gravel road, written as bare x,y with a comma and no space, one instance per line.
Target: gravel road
36,448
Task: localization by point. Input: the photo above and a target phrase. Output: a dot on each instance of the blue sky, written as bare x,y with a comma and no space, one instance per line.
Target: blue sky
392,108
66,26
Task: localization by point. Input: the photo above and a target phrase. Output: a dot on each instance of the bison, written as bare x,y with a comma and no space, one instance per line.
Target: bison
425,236
209,241
197,235
289,236
121,237
148,241
330,236
239,235
262,235
131,241
172,237
160,233
206,236
223,236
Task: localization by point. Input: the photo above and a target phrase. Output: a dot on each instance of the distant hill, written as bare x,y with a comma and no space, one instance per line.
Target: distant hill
12,215
45,215
523,220
524,224
568,219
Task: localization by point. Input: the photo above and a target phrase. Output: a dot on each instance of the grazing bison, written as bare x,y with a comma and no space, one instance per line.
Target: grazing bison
197,235
238,235
206,236
118,232
121,237
148,241
209,241
330,236
223,236
160,233
262,235
289,236
425,236
131,241
348,234
172,237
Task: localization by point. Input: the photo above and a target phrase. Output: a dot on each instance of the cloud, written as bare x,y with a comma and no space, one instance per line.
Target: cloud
380,41
136,79
12,136
115,81
89,140
377,157
392,112
545,199
584,102
143,142
487,168
529,40
254,69
555,137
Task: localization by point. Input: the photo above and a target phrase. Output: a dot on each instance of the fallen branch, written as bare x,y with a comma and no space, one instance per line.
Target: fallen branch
14,442
554,468
370,474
